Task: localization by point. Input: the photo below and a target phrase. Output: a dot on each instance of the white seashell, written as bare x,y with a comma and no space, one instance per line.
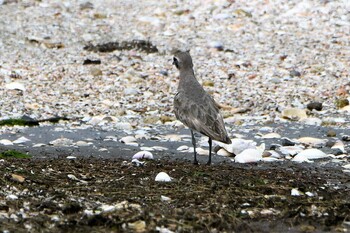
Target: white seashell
216,44
83,143
95,120
183,148
151,20
21,140
130,91
295,192
159,148
123,126
238,145
107,208
339,145
39,145
271,135
249,156
223,152
266,129
290,150
347,166
137,162
132,144
312,121
300,159
202,151
312,141
173,138
275,154
73,177
55,218
310,194
61,142
101,119
6,142
12,197
346,108
111,138
146,148
313,154
128,139
269,159
143,155
294,113
103,149
15,86
71,157
163,177
165,198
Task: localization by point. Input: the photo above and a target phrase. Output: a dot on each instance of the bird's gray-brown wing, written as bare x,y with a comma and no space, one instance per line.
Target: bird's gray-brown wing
203,116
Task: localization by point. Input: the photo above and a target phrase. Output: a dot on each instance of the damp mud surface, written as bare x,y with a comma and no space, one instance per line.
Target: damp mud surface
113,195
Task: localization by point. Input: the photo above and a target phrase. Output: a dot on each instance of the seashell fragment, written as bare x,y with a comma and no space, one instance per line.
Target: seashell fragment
223,152
128,139
294,113
249,156
61,142
39,145
312,154
310,141
290,150
6,142
183,148
21,140
295,192
83,143
15,86
271,135
143,155
238,145
163,177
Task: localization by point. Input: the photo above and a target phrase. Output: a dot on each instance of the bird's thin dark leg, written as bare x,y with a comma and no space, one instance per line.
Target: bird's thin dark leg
194,148
210,143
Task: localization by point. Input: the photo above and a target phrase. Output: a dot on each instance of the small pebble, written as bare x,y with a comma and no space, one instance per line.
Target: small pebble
314,105
163,177
294,73
346,138
331,133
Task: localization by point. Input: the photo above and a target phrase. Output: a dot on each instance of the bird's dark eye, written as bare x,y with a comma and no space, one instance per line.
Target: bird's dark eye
176,62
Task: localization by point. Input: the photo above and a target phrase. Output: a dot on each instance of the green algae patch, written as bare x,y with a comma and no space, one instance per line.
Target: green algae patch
13,154
20,122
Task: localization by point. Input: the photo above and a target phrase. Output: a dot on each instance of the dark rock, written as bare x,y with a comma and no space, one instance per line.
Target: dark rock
337,151
91,62
346,138
314,105
86,5
294,73
330,143
274,146
164,72
287,142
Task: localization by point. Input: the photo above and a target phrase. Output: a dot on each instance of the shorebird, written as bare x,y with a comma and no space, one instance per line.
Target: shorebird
195,108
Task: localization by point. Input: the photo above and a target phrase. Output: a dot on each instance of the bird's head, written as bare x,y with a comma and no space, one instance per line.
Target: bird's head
182,60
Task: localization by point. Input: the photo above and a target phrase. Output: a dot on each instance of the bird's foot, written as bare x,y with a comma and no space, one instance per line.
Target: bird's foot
195,162
209,163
